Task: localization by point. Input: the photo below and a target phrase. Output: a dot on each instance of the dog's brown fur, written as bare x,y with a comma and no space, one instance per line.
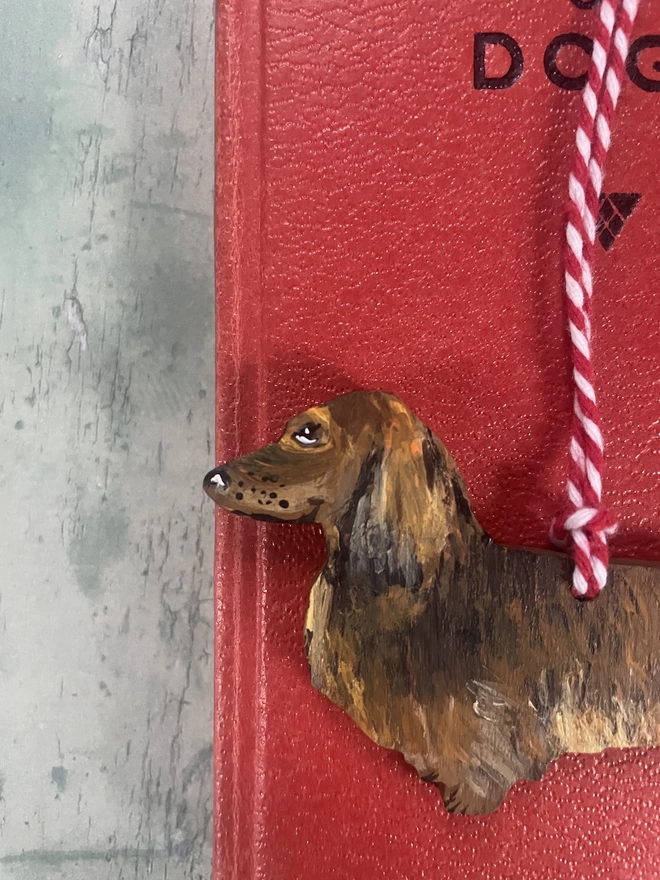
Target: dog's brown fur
470,658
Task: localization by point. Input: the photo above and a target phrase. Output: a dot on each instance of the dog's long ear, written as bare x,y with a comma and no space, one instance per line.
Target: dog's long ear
409,500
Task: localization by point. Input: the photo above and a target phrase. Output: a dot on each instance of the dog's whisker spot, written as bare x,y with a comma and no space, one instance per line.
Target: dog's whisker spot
239,496
273,495
240,484
284,504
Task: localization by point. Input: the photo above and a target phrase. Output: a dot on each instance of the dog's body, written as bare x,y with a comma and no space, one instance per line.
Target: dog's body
470,658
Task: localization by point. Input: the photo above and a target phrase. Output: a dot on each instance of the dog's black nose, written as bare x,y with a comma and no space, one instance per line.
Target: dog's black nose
217,479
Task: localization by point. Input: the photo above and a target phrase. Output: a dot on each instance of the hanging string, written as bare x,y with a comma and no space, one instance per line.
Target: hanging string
584,525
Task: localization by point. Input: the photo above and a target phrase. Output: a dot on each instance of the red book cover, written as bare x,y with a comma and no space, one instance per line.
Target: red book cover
391,189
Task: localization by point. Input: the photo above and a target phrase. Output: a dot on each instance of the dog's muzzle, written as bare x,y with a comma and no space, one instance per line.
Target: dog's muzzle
217,480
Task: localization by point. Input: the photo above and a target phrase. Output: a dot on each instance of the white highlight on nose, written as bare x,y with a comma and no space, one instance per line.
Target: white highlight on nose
218,481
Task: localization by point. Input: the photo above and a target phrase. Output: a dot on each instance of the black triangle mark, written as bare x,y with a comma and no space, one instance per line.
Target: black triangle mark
615,208
625,203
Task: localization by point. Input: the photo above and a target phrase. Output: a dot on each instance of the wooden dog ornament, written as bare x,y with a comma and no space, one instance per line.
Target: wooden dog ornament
470,658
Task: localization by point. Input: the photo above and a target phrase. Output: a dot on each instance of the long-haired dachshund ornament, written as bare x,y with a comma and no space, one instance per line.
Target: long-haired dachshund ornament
470,658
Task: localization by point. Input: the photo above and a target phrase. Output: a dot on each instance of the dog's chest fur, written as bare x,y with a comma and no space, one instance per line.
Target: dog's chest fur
477,692
371,661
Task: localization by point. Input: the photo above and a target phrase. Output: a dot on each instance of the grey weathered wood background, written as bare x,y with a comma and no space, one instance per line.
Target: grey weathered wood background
106,174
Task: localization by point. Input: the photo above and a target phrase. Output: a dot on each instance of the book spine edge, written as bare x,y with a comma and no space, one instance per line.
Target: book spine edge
239,417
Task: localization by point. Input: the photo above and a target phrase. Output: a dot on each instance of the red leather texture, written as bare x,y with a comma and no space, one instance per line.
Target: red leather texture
382,223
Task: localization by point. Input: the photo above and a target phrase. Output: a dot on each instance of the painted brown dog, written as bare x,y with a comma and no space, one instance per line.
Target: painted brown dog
470,658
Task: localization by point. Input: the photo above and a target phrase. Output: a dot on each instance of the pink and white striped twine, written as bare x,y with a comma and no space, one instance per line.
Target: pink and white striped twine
584,525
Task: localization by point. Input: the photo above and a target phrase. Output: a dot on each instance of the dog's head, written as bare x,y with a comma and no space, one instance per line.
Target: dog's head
360,458
309,474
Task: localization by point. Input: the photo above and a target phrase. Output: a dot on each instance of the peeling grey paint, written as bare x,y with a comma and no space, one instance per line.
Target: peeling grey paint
29,85
106,366
98,538
58,776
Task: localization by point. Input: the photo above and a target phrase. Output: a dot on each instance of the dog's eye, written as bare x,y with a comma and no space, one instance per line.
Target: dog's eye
309,435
